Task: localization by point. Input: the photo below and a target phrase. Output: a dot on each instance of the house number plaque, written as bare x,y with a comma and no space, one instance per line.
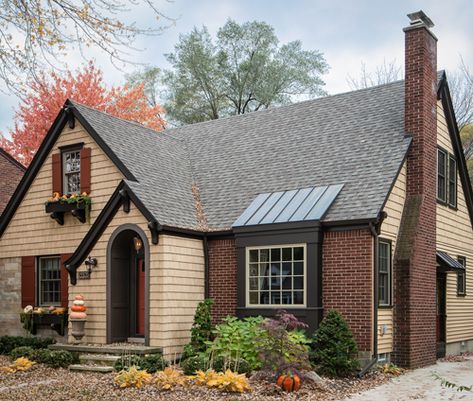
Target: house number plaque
84,275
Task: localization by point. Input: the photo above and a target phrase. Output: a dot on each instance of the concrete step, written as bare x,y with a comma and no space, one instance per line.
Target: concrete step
136,340
91,368
121,349
98,359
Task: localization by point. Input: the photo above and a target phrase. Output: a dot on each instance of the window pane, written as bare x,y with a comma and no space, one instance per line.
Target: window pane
286,268
275,269
276,283
253,298
253,270
287,297
264,255
253,283
275,255
384,272
286,254
50,281
253,255
441,174
298,297
264,269
298,283
264,298
298,268
264,283
299,253
287,283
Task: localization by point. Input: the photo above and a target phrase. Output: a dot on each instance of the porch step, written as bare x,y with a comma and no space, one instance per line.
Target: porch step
98,359
136,340
91,368
119,349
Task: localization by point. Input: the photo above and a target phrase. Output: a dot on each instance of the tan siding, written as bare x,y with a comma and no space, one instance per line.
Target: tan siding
176,286
390,230
31,231
455,236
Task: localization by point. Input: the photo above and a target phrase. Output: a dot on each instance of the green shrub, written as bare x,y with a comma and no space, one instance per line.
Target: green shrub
151,363
237,339
201,332
221,364
60,359
334,348
22,351
194,363
8,343
41,355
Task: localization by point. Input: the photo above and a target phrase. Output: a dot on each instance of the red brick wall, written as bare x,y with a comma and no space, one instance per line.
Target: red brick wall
414,262
10,175
347,276
222,277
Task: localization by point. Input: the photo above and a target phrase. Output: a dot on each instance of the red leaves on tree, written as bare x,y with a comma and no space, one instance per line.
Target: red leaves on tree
48,94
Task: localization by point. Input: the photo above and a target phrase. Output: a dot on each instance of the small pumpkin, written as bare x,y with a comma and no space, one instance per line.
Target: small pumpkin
78,308
78,302
79,297
289,383
78,315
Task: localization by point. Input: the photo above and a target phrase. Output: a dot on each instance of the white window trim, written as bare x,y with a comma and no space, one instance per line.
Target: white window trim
38,289
63,170
247,278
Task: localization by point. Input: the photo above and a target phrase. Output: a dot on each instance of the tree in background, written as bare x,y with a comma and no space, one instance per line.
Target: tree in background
384,73
244,70
48,94
36,34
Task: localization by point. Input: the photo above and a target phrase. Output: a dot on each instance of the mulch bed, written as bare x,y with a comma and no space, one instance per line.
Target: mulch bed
45,384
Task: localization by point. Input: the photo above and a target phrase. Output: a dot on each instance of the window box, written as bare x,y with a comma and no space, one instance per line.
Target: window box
56,321
78,206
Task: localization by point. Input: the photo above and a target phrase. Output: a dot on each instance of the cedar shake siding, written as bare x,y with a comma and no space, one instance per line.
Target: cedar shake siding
222,279
415,263
347,275
11,172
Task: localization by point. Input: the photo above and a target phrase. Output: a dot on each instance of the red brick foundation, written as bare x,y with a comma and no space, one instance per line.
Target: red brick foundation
222,277
347,276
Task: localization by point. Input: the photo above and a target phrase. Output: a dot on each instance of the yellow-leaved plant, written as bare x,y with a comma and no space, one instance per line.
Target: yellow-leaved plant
229,381
132,377
20,365
170,377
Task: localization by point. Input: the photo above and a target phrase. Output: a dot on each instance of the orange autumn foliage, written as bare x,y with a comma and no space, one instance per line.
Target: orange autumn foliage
48,93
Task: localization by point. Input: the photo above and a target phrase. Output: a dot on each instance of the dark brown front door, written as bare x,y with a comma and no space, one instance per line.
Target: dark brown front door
140,298
441,313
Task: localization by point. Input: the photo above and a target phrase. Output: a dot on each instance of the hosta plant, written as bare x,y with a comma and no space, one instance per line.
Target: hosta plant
20,365
229,381
169,378
133,377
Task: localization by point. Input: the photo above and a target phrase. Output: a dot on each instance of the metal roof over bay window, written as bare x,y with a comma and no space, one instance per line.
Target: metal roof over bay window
302,204
446,262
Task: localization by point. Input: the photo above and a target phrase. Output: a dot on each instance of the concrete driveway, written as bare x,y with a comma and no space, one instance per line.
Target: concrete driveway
420,385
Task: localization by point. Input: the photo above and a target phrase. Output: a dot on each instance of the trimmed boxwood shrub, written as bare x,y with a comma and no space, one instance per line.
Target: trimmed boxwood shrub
54,359
8,343
151,363
193,364
23,351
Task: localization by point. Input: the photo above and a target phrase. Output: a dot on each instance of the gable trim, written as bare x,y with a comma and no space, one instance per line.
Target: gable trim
41,155
121,196
444,96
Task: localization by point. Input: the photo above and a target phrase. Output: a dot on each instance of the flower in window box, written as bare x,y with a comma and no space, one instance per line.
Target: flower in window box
51,309
28,309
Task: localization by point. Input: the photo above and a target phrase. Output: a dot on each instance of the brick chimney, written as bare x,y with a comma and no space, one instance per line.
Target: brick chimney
415,260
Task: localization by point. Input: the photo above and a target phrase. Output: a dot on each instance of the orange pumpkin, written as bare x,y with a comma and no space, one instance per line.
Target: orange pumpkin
78,308
289,383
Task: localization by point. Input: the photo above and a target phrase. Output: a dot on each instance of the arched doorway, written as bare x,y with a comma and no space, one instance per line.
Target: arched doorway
127,284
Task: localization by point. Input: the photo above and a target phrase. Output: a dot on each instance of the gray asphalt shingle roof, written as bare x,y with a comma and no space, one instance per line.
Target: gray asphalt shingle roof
356,139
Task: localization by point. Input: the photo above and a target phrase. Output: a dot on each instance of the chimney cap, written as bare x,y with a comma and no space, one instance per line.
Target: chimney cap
419,17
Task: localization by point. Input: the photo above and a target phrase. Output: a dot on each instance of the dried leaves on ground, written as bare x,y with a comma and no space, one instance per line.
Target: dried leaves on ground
41,383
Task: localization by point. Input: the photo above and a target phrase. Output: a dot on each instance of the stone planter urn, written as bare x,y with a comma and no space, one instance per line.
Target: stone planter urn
78,328
78,317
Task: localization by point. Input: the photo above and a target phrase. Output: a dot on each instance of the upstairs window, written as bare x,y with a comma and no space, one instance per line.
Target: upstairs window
276,276
461,277
441,175
452,181
71,172
446,178
384,273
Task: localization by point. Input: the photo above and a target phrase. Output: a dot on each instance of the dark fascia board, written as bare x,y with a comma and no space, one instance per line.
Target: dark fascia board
119,196
12,160
444,96
33,169
40,157
354,224
97,138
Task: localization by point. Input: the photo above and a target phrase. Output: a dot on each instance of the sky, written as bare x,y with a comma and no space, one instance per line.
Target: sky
348,33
